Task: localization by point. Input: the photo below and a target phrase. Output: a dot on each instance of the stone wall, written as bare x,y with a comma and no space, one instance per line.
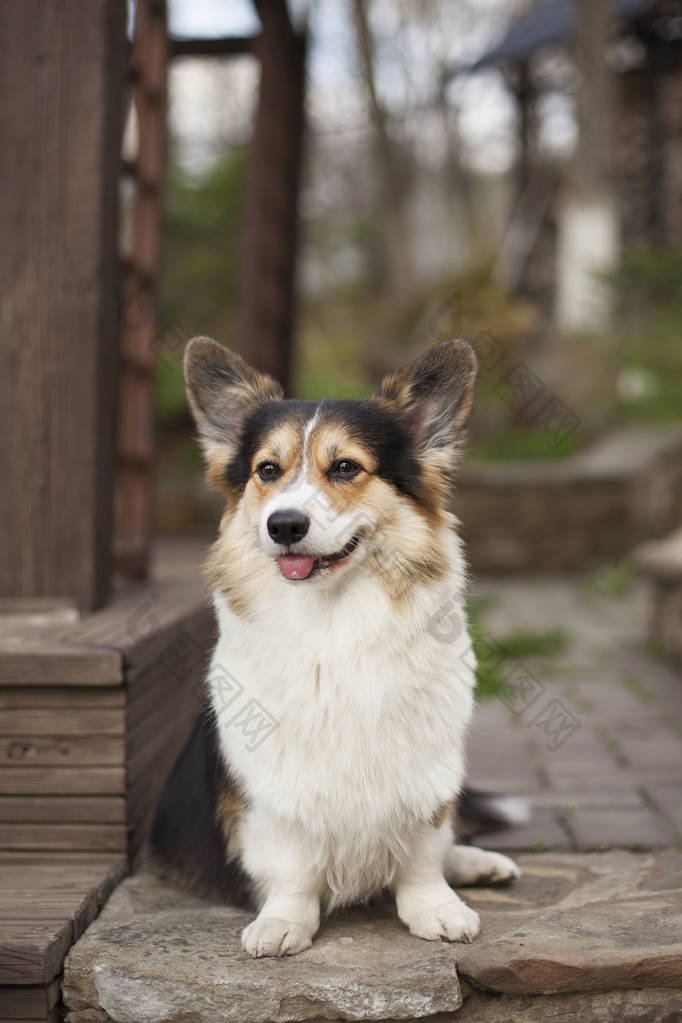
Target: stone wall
529,516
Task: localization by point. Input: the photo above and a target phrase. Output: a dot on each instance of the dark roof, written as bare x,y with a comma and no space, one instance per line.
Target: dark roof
547,24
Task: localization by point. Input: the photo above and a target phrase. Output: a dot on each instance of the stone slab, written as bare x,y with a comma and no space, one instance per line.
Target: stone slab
591,922
574,925
647,1006
162,955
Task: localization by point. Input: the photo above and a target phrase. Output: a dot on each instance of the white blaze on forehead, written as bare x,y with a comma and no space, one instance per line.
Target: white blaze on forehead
309,426
329,530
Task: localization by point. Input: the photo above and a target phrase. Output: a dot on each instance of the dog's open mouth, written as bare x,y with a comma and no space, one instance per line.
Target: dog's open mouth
302,566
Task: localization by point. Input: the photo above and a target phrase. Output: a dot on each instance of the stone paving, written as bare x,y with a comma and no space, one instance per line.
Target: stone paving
580,937
592,738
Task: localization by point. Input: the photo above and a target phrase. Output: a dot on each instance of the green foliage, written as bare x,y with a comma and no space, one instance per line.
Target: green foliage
511,442
200,274
612,581
520,644
641,690
330,361
495,655
490,670
648,278
171,404
648,288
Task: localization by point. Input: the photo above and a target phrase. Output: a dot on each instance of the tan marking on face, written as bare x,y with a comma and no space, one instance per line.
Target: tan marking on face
327,443
282,446
218,457
235,566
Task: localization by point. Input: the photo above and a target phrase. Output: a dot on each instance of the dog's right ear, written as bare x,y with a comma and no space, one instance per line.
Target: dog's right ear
222,390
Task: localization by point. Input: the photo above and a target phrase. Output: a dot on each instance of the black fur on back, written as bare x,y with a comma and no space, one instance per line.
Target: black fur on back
186,842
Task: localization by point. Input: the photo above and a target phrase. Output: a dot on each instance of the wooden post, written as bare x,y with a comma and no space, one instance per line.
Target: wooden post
61,93
271,237
136,441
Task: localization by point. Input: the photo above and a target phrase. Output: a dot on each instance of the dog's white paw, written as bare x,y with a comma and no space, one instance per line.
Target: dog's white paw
466,864
269,936
453,921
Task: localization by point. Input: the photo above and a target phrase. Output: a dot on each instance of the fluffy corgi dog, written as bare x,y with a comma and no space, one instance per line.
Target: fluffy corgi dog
336,562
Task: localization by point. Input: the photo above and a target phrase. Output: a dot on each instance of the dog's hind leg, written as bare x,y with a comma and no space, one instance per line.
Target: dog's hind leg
467,864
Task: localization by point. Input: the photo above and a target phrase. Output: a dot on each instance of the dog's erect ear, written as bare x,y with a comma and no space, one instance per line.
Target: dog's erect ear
435,393
222,391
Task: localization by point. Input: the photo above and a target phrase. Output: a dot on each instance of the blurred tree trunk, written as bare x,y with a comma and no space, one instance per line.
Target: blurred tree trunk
271,208
391,190
595,98
588,230
457,180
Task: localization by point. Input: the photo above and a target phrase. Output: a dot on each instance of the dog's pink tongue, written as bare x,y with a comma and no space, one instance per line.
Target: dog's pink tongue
295,566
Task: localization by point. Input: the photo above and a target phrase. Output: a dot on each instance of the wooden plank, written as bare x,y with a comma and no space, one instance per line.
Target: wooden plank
223,46
95,837
49,663
66,891
62,781
74,721
180,669
67,751
28,1002
147,775
33,953
62,752
62,809
59,162
68,872
159,746
34,697
58,861
145,621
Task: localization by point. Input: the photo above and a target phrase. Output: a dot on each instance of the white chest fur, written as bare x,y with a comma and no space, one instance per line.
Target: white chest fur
368,709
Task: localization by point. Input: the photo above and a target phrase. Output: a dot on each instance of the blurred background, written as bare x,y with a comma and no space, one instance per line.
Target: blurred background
485,167
329,187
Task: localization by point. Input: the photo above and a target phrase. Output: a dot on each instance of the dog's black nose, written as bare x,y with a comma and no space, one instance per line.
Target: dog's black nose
288,526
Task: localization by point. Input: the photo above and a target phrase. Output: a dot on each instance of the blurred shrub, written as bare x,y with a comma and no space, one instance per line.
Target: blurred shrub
202,243
351,336
648,342
648,278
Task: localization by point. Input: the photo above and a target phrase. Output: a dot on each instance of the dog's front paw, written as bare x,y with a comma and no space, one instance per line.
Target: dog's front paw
269,936
452,921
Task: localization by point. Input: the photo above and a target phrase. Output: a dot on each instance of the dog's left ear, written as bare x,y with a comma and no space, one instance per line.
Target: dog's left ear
435,393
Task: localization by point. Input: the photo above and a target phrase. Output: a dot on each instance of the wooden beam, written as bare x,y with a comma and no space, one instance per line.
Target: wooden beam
61,91
271,210
225,46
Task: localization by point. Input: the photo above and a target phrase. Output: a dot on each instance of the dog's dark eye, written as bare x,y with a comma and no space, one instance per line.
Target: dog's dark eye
344,469
269,471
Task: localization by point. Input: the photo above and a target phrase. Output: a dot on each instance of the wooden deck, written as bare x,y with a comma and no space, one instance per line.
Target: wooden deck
45,905
93,713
